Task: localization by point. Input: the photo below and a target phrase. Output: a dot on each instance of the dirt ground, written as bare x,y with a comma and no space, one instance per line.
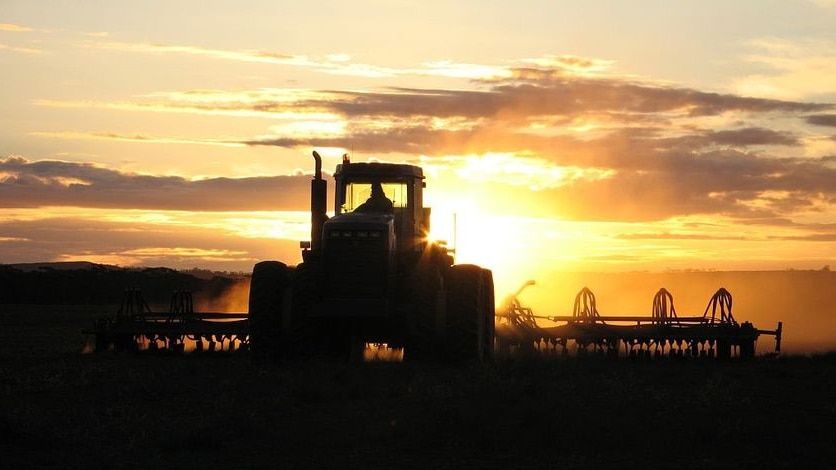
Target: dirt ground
60,408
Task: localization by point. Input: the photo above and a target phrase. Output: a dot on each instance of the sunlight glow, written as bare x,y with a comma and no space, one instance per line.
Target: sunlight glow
314,128
516,170
572,64
449,68
181,252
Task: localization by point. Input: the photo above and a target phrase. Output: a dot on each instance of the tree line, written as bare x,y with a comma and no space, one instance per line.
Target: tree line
101,285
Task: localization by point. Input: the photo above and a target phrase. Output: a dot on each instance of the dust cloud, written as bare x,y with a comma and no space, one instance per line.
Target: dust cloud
234,299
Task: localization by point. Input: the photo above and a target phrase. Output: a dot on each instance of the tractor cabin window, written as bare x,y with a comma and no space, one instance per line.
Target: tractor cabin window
358,193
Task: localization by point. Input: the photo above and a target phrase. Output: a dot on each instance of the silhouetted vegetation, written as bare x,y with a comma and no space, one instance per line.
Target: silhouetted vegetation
93,284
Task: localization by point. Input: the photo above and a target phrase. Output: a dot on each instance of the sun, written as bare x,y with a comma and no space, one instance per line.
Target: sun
482,238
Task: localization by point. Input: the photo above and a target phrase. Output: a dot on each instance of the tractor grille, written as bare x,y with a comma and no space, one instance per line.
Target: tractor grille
356,268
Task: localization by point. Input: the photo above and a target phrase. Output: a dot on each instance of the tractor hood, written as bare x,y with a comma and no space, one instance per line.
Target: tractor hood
361,227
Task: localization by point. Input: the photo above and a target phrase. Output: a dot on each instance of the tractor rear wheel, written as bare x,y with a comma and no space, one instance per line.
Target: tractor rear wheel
490,313
267,292
467,329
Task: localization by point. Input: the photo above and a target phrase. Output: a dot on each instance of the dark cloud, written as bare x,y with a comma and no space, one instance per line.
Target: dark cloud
753,136
815,237
530,93
660,156
655,176
822,120
55,183
54,239
674,236
535,92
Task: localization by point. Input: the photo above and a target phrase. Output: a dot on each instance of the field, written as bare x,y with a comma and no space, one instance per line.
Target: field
61,408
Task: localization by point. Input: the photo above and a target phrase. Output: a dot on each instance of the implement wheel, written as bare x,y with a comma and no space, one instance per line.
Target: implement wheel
467,312
267,291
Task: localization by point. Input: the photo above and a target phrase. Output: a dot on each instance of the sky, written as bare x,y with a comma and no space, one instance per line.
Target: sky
555,135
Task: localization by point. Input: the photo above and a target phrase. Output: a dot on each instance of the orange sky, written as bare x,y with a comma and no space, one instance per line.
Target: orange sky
582,135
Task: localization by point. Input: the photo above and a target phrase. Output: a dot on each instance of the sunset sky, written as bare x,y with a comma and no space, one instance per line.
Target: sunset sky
563,135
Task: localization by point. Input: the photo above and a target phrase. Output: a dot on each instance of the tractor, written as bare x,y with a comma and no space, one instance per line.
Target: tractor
370,274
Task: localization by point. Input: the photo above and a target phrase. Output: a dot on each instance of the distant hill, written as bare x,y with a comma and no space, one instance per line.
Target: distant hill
97,284
60,266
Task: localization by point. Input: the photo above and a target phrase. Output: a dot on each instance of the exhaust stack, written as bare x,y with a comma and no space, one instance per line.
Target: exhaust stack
319,201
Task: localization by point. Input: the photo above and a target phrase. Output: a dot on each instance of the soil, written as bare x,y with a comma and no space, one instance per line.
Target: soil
62,408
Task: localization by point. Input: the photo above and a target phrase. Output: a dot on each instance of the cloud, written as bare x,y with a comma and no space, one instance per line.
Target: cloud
815,237
241,55
675,236
15,28
559,135
22,50
25,183
828,120
753,136
797,69
134,138
514,96
338,64
88,236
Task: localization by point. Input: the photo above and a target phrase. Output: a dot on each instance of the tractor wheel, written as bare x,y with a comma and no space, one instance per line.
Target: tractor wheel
310,337
302,334
490,313
466,324
267,290
423,342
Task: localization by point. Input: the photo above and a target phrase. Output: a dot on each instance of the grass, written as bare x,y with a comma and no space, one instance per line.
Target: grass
64,409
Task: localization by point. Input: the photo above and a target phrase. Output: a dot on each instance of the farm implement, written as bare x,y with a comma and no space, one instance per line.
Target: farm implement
714,334
135,327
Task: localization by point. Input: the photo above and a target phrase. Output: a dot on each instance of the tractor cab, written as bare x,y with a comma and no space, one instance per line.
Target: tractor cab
367,250
385,195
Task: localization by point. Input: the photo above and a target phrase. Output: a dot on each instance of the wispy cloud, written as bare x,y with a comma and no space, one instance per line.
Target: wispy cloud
339,64
203,254
15,28
13,239
242,55
21,50
134,138
799,69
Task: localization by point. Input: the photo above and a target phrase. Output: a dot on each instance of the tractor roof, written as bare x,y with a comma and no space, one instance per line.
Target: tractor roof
382,171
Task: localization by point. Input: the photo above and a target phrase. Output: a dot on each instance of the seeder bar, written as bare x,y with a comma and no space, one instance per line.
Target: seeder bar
714,334
617,318
135,324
